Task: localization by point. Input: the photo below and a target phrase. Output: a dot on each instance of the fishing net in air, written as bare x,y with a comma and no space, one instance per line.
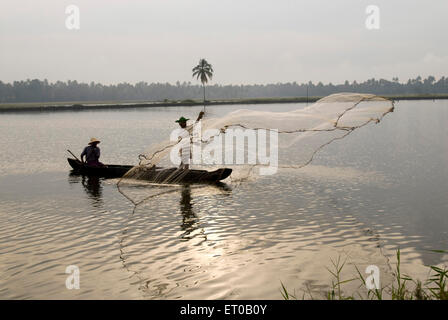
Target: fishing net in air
255,143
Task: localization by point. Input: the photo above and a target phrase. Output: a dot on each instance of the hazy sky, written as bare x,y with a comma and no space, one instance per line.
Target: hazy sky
246,41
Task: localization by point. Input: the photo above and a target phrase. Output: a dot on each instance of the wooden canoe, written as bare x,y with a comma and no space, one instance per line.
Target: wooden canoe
159,175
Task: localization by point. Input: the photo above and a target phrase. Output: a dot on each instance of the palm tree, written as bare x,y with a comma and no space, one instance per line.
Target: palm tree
203,70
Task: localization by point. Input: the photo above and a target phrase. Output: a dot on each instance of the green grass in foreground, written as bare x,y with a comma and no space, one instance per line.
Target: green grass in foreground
434,288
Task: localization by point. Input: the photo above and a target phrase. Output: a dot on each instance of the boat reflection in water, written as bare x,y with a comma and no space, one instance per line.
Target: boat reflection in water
190,220
136,250
92,186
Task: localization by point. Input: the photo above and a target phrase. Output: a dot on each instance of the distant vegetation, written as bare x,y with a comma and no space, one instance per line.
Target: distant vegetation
44,91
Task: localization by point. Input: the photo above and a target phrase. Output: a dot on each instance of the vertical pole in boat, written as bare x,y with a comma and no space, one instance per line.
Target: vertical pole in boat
203,86
307,94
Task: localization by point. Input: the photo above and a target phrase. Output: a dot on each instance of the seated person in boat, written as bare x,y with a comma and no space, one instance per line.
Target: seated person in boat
185,153
92,154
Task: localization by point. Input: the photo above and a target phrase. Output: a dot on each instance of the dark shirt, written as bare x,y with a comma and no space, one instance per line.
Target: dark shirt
92,153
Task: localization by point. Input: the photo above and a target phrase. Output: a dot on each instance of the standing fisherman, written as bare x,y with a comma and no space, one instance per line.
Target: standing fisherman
185,152
92,154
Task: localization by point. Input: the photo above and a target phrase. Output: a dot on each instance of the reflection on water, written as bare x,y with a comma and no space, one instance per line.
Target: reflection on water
92,186
140,240
189,218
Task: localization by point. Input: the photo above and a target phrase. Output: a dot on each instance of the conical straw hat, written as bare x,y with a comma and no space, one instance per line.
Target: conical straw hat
93,140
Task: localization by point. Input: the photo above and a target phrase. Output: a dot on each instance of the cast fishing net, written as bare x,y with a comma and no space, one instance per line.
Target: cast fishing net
252,143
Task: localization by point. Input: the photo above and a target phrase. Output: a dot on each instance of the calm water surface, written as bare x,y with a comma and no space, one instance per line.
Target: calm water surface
383,187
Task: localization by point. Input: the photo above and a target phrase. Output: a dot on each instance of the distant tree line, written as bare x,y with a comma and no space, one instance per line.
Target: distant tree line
44,91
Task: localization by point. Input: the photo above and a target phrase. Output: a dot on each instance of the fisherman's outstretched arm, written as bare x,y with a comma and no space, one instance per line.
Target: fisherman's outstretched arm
201,114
